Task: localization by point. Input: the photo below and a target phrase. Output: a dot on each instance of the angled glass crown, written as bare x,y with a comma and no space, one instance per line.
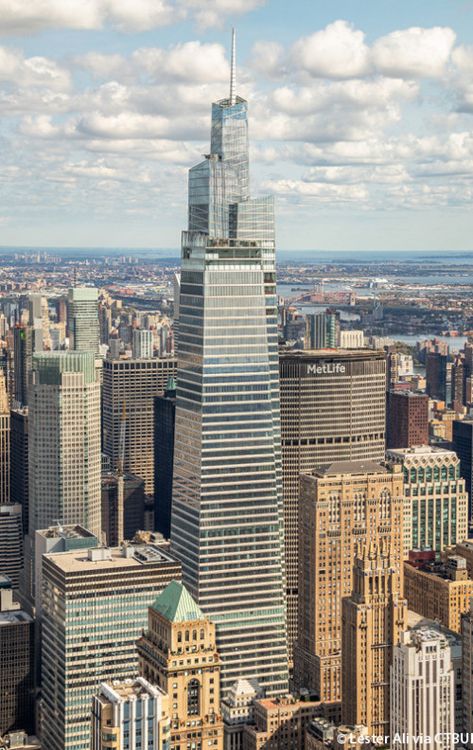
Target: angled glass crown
221,182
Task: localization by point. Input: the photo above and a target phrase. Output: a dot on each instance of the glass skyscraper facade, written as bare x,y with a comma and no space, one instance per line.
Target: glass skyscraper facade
227,524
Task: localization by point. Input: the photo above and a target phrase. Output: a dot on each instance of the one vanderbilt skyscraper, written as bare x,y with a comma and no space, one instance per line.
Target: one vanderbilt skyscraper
227,526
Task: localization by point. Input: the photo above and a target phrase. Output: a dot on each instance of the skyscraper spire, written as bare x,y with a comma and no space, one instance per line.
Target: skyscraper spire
233,70
226,512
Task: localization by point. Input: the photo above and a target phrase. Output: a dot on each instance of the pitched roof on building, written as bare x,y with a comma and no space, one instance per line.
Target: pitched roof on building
177,605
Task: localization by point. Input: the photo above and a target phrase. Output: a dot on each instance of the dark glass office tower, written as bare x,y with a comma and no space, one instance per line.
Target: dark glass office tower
19,461
462,444
22,362
227,524
164,424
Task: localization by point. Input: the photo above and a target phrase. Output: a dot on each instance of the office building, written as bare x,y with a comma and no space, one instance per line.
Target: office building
19,461
467,671
439,590
83,319
178,653
415,621
227,525
133,384
323,734
123,507
23,347
4,443
105,323
322,330
38,318
438,372
16,663
64,538
237,710
462,444
373,618
164,425
176,283
352,339
142,343
458,384
407,419
11,541
436,503
130,714
464,549
333,408
343,505
64,441
423,687
94,607
280,723
17,740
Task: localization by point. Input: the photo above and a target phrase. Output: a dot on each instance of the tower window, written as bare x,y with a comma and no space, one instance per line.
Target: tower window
193,698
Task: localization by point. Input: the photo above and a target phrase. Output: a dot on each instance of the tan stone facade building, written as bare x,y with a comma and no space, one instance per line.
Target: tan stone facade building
439,591
342,505
333,408
179,655
280,723
372,620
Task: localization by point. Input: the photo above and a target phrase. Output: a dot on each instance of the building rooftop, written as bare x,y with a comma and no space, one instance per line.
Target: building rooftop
314,354
177,605
19,739
102,558
429,631
119,690
418,622
243,686
349,467
14,616
453,569
420,451
408,393
72,531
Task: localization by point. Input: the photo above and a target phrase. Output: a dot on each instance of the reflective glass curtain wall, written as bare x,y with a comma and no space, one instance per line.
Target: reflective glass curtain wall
227,502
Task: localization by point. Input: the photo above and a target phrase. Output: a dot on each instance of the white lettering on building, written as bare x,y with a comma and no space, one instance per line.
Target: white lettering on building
328,368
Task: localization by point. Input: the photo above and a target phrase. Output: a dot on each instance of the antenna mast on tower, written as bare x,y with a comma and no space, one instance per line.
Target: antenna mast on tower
233,70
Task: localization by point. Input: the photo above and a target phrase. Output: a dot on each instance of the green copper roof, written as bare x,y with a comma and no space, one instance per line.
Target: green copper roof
177,605
171,384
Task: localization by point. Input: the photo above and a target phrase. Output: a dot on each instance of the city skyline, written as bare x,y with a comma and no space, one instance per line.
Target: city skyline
236,497
354,112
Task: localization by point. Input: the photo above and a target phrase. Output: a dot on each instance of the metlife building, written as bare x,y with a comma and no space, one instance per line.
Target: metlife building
333,408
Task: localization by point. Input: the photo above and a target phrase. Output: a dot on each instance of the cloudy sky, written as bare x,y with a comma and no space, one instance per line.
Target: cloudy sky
361,116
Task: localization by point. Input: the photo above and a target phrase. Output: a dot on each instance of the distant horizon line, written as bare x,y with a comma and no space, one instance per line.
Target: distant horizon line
176,250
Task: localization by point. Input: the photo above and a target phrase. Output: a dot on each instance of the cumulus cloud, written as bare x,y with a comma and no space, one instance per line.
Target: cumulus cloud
268,58
214,12
338,51
124,125
333,119
189,62
322,191
414,52
32,71
332,111
19,17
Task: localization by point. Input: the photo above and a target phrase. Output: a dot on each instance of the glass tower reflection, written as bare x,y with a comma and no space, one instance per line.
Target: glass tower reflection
227,502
